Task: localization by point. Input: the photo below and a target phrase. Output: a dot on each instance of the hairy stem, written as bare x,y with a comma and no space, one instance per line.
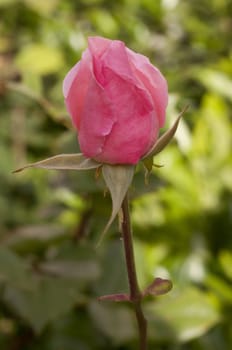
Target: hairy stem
135,294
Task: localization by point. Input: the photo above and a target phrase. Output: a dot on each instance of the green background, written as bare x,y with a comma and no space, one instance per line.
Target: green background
50,271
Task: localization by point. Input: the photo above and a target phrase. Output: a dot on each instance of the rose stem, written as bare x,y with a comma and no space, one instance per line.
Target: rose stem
135,294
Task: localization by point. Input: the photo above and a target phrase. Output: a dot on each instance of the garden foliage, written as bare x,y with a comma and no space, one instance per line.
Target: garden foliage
51,273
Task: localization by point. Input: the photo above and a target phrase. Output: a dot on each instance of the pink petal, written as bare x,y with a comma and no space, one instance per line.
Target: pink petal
69,78
75,87
136,124
129,147
153,81
97,120
97,45
115,58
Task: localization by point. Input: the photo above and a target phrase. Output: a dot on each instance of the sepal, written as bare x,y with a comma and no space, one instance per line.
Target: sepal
118,179
76,161
148,165
164,140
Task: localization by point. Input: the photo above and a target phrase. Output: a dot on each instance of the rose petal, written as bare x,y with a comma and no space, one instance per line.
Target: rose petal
97,120
126,149
152,80
70,77
77,87
98,45
136,124
115,58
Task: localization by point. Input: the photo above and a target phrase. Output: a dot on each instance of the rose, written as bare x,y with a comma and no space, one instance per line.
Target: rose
117,101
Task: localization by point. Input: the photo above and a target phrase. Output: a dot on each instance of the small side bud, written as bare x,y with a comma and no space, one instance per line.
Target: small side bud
158,287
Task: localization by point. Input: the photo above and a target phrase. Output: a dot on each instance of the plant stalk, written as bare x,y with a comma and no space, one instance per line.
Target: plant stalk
135,294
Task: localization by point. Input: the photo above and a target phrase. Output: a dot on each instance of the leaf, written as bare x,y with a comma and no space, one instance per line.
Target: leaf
115,321
85,270
40,59
225,259
6,2
159,286
118,179
32,237
112,267
43,7
50,300
182,315
216,81
14,270
220,287
76,161
164,140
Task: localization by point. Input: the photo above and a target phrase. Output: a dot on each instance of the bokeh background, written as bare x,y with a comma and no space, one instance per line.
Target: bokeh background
50,271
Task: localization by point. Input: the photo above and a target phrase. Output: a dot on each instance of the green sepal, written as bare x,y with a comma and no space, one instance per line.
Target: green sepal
76,161
118,179
148,165
164,140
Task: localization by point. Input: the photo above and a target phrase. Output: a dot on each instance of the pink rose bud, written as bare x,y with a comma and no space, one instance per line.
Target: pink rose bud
117,100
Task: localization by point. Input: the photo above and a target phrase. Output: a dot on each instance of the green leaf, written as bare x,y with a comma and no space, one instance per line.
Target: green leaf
50,300
74,161
220,287
14,270
164,140
43,7
86,270
40,59
118,179
225,259
115,321
6,2
112,267
216,81
73,263
182,315
32,237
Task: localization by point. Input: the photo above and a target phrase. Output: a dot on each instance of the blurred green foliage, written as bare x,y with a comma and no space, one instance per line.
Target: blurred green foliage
50,272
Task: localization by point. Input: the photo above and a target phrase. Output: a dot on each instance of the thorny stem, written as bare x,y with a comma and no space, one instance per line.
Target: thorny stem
135,294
